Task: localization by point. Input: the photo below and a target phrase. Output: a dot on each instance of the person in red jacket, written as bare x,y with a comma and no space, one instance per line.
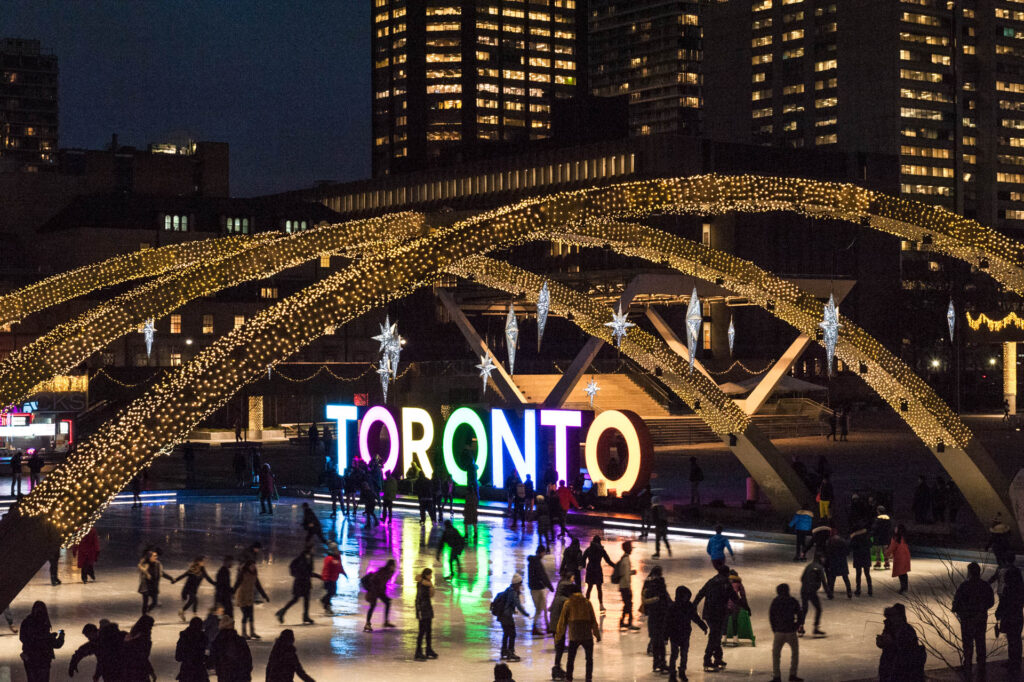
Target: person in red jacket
332,569
566,500
87,552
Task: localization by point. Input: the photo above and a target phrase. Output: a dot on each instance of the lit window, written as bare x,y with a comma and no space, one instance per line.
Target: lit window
237,225
208,324
175,324
705,234
325,260
268,292
176,223
707,336
239,321
176,359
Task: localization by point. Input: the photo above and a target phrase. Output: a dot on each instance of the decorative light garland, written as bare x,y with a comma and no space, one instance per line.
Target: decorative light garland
1011,320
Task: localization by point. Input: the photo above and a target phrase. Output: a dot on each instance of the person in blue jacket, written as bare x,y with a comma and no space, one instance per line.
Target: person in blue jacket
801,522
717,545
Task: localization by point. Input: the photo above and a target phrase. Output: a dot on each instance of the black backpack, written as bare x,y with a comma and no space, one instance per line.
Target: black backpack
498,604
295,567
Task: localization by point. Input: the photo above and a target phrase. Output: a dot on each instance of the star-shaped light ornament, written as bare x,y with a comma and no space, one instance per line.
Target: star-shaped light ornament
694,320
394,352
511,337
384,370
951,319
619,325
270,372
148,329
591,390
731,334
543,307
486,366
830,326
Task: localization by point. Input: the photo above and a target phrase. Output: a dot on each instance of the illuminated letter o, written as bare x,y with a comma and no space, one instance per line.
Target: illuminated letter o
380,414
638,447
464,416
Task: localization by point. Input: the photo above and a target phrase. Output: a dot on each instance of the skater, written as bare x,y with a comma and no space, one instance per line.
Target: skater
16,462
1010,618
572,561
387,505
284,664
519,505
539,584
191,653
150,573
644,501
504,607
456,544
696,478
136,487
266,494
659,517
717,593
194,577
329,573
717,544
425,615
135,651
247,585
593,556
801,523
898,552
55,567
903,657
35,468
336,487
922,502
425,496
786,617
836,551
999,540
91,634
229,653
860,551
622,576
544,526
656,601
738,625
563,591
881,535
222,590
311,524
470,513
368,498
826,494
566,501
971,603
87,552
301,569
812,579
682,614
376,586
578,620
38,643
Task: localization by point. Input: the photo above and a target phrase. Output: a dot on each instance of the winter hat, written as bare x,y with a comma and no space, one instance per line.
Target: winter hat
517,579
540,498
332,547
226,623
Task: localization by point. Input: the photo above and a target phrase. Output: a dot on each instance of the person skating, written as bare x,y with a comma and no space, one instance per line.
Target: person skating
456,544
223,593
999,542
389,493
971,603
230,655
578,619
38,643
376,586
622,576
55,567
738,625
91,634
301,569
109,652
329,574
682,615
194,577
136,650
643,502
860,552
881,535
336,489
190,652
425,496
801,523
659,519
836,552
811,580
545,529
922,502
717,545
470,513
903,657
654,596
539,584
504,607
311,524
16,463
572,561
594,577
151,571
519,505
284,664
898,552
566,501
87,552
247,585
368,498
826,494
717,593
1010,618
266,488
425,615
786,617
563,591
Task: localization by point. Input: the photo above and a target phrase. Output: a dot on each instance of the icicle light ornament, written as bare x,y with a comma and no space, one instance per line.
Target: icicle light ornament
511,337
543,306
731,334
830,327
694,321
951,319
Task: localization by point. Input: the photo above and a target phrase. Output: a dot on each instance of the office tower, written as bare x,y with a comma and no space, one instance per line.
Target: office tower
28,103
648,50
457,79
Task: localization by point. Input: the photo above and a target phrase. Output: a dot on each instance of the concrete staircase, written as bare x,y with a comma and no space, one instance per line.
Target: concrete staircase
618,392
687,430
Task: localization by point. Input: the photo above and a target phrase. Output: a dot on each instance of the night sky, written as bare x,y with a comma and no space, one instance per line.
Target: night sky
286,84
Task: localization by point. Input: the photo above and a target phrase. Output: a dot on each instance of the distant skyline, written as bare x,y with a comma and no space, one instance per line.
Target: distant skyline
285,84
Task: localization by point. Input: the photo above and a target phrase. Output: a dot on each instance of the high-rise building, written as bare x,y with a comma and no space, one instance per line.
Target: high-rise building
28,103
648,50
453,79
938,82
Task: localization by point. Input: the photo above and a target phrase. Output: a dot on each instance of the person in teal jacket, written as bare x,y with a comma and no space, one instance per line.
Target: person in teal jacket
801,522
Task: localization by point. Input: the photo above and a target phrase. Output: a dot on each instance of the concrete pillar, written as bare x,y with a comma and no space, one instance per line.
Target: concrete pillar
1010,374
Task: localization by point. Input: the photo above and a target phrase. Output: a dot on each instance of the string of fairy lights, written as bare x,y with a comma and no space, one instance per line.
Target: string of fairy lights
71,343
983,320
77,492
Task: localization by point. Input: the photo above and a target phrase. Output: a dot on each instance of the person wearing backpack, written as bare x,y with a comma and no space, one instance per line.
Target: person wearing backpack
654,596
376,586
456,544
504,607
301,569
